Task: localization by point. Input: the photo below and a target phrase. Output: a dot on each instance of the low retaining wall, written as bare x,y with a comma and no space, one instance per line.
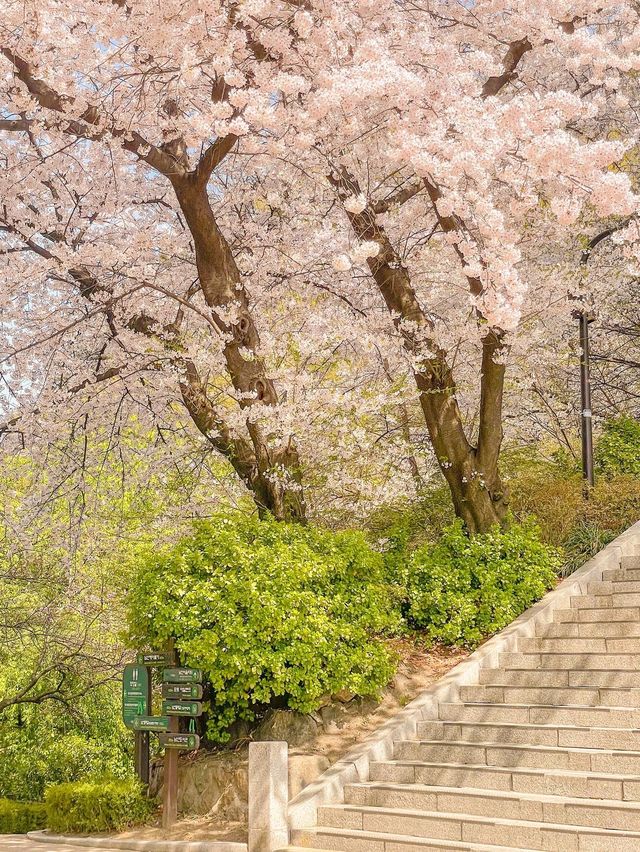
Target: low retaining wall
354,766
140,845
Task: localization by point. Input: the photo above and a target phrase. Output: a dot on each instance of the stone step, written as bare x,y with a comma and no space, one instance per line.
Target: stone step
524,677
613,600
606,614
547,782
562,810
574,695
525,714
509,755
592,630
576,662
300,849
366,841
572,736
559,677
580,646
623,574
606,587
476,829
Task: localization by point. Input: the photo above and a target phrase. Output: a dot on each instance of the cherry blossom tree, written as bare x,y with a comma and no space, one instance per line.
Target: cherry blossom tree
490,125
223,196
127,107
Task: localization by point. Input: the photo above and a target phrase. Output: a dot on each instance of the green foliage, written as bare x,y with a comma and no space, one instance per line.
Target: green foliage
71,526
21,817
618,448
272,612
463,589
46,744
583,526
86,807
584,541
410,524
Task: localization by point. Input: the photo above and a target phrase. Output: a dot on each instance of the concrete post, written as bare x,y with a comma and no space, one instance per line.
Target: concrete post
268,796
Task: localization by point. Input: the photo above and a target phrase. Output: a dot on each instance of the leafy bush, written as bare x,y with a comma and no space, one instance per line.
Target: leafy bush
273,613
84,807
583,526
618,448
42,744
585,540
21,817
463,589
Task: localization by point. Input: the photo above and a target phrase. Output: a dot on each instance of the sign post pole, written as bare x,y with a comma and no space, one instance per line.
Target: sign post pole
170,799
144,742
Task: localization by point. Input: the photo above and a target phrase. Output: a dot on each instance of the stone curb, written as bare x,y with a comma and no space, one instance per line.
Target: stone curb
354,766
142,845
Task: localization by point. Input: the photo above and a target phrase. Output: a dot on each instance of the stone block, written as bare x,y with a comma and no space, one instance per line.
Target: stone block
268,796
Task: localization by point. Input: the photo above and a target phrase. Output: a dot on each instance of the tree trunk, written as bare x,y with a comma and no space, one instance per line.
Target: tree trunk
273,474
472,474
283,500
478,495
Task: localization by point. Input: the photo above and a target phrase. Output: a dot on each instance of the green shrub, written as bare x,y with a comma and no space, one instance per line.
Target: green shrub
463,589
41,744
21,817
618,448
581,527
584,541
274,613
84,807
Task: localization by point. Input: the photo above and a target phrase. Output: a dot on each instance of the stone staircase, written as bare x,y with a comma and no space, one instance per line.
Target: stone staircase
543,753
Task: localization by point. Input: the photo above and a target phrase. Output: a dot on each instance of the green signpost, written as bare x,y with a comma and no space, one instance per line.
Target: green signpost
187,742
151,723
182,708
182,691
177,675
135,693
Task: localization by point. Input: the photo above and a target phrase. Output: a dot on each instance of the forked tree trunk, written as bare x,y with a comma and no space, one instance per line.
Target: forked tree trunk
273,475
472,473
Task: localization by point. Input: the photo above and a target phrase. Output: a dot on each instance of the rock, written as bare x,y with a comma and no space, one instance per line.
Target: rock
304,769
334,715
344,696
287,726
211,784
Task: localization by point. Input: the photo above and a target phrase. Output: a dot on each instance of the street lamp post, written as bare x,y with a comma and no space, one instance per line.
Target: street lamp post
585,393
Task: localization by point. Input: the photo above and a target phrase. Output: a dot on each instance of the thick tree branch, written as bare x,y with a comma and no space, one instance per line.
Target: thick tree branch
510,62
91,124
213,156
398,198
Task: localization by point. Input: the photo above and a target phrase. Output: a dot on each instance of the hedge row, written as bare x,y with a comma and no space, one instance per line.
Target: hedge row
90,806
21,817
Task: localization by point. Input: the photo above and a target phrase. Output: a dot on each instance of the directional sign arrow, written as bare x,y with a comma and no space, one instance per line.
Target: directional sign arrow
182,708
182,691
151,723
153,659
187,742
178,675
